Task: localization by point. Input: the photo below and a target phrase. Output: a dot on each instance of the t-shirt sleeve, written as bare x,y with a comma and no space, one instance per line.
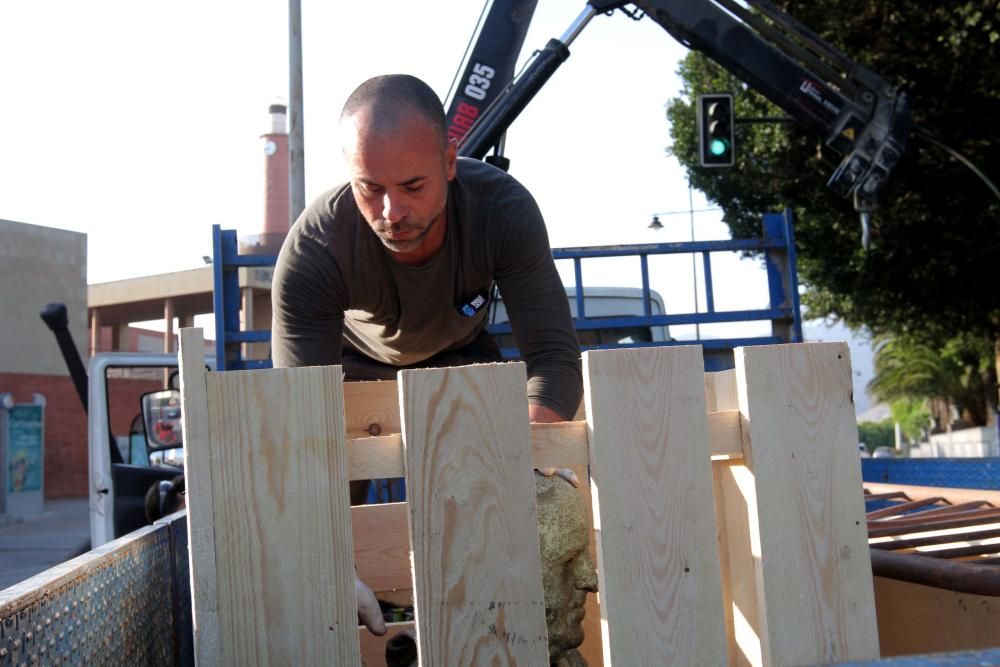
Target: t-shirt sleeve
306,304
536,305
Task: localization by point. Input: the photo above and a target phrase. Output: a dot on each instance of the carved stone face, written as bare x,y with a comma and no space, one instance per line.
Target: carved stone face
568,572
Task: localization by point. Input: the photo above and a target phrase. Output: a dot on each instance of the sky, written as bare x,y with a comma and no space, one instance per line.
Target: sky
139,123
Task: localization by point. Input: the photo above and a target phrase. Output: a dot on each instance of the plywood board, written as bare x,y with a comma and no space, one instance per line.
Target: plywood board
557,445
199,497
473,527
720,390
661,598
915,619
735,504
281,520
371,408
382,546
814,583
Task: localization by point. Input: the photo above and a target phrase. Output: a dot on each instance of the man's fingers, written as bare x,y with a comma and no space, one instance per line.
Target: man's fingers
565,473
369,612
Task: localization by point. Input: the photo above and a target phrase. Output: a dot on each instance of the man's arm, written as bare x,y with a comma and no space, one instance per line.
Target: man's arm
306,304
539,311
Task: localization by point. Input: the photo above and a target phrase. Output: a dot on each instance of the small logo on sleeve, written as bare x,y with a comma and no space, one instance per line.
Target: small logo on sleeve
473,306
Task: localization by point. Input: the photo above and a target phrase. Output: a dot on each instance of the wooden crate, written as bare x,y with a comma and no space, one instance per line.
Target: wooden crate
727,510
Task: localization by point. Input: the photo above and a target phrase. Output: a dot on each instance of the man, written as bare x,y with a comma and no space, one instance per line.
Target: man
395,268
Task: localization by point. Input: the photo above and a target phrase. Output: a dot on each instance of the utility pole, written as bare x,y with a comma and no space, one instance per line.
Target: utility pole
296,140
694,260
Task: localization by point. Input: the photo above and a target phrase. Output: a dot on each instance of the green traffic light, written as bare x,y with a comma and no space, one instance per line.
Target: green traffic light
718,147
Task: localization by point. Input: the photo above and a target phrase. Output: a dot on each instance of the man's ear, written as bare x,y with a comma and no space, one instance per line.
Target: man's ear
451,158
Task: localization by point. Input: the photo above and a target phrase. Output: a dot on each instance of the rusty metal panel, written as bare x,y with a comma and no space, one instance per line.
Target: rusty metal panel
111,606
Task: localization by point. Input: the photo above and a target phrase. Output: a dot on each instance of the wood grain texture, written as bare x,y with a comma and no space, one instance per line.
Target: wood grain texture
382,546
477,573
371,408
199,497
720,391
735,504
916,619
658,559
377,457
282,517
725,435
558,445
814,579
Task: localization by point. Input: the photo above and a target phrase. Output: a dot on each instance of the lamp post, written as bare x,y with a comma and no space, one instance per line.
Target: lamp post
656,225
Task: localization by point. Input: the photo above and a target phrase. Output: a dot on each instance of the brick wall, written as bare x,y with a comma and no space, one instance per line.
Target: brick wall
66,464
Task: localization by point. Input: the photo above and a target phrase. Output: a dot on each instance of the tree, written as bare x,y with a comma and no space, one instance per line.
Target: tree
936,237
877,434
912,416
907,369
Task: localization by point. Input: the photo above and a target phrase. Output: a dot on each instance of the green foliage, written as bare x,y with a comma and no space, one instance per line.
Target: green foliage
936,237
957,373
877,434
912,416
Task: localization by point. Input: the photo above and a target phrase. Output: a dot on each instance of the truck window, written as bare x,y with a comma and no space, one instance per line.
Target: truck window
594,337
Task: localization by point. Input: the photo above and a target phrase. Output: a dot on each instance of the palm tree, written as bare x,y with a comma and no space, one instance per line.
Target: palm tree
907,368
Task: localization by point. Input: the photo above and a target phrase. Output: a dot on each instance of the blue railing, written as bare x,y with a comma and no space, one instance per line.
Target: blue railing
777,246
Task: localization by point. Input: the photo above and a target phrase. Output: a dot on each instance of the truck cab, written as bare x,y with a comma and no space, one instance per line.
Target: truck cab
599,302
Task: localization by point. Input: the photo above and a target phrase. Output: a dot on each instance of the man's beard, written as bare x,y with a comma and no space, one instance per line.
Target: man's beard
382,228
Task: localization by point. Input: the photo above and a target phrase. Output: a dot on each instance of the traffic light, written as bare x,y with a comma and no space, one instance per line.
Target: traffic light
716,147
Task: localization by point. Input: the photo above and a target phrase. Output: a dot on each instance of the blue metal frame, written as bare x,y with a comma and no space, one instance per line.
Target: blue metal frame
777,246
226,263
964,473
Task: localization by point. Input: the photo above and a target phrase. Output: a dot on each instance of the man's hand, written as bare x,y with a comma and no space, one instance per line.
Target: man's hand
539,414
565,473
369,612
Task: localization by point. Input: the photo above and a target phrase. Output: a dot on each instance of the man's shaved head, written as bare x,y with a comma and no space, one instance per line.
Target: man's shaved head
386,102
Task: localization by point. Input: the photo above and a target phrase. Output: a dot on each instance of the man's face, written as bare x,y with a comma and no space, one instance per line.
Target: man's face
400,183
568,572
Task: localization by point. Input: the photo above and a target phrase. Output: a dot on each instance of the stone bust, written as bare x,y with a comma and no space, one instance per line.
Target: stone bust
568,572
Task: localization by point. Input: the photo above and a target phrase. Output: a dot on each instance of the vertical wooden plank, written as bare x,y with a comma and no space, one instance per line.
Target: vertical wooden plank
282,517
814,580
198,482
658,560
720,390
735,503
473,528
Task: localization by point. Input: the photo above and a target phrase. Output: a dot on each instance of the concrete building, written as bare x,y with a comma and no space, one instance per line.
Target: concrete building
38,266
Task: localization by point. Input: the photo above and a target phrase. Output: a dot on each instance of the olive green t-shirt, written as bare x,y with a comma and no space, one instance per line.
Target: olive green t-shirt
334,279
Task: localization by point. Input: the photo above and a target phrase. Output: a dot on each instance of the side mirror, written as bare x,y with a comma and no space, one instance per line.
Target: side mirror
161,415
